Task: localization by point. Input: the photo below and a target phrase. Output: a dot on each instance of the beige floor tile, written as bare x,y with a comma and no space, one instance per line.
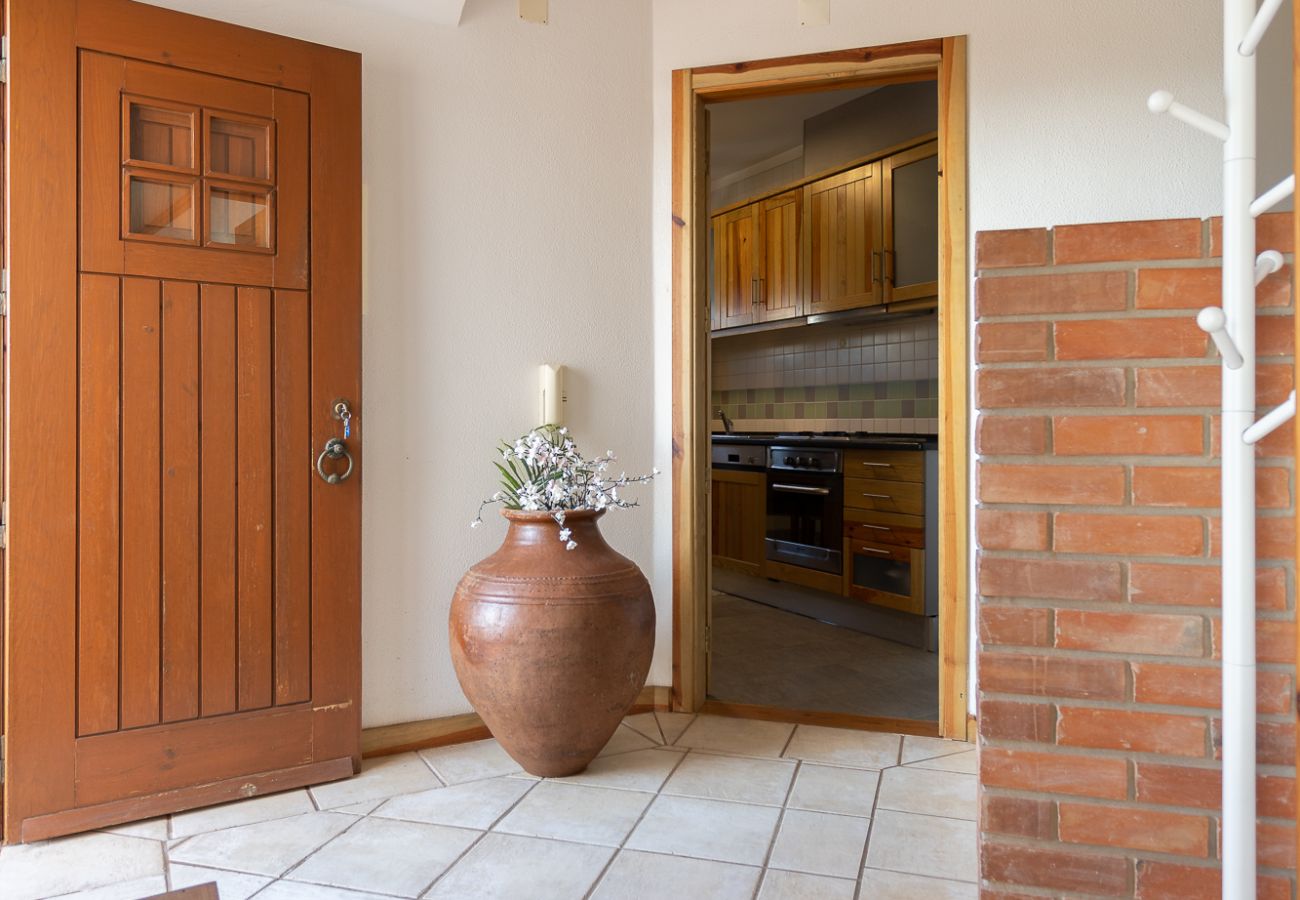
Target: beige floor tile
386,856
878,884
646,724
778,885
761,781
820,843
917,748
508,867
122,890
929,791
241,812
744,737
834,789
267,848
153,829
364,808
230,885
706,829
924,845
470,762
673,724
640,770
474,804
965,763
842,747
575,812
63,865
297,890
625,740
380,778
651,876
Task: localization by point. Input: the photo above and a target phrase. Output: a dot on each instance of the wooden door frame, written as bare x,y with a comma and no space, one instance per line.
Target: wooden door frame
943,60
42,258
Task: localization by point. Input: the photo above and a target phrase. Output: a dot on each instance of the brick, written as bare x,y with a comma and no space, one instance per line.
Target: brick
1012,247
1012,720
1074,485
1019,816
1181,386
1172,584
1194,289
1170,684
1128,435
1275,537
1156,831
1015,626
1049,579
1123,632
1128,535
1050,387
1154,239
1279,444
1274,742
1275,640
1123,729
1165,784
1011,342
1164,880
1011,435
1274,335
1273,231
1053,676
1200,486
1074,292
1178,338
1003,529
1275,845
1055,869
1054,773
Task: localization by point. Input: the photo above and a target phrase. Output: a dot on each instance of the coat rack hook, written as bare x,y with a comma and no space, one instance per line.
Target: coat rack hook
1266,264
1273,196
1264,18
1271,422
1213,322
1164,102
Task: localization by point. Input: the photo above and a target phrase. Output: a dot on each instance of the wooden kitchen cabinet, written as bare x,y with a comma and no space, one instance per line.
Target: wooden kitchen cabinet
739,520
843,245
735,281
756,252
910,191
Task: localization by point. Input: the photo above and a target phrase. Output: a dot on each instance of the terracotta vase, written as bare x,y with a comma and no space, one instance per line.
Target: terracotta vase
552,646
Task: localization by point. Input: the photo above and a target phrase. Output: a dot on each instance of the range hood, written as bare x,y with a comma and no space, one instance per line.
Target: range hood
888,312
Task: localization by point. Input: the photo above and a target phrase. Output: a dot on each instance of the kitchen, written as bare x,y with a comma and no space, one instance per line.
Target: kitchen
824,391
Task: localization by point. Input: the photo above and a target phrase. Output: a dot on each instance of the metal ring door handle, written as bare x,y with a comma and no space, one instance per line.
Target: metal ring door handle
334,449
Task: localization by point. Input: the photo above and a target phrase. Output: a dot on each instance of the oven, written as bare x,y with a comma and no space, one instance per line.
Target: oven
805,508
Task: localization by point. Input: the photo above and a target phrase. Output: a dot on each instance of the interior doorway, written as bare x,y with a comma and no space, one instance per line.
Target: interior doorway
820,408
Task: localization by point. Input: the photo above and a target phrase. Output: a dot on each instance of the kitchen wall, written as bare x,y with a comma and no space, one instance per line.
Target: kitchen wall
868,124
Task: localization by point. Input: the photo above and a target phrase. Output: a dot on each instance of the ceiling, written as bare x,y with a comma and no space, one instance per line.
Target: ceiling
281,15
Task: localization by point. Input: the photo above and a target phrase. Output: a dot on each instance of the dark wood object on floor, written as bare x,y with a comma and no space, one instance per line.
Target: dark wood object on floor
197,892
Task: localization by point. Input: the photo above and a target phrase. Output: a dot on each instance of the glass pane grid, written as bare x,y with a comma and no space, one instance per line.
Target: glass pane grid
159,135
239,216
160,208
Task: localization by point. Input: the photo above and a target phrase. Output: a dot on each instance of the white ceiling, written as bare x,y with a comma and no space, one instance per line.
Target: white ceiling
747,132
283,15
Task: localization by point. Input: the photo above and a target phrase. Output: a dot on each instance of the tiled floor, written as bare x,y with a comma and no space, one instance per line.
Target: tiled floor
676,806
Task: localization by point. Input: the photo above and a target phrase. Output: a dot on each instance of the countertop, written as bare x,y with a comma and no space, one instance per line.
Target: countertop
857,441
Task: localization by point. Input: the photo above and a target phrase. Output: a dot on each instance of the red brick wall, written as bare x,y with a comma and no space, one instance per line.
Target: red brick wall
1098,534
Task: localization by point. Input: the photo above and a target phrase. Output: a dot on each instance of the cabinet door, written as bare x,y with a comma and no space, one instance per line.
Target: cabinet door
843,246
739,519
735,281
779,290
911,190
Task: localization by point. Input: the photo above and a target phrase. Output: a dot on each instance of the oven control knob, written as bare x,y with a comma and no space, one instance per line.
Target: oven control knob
815,462
791,461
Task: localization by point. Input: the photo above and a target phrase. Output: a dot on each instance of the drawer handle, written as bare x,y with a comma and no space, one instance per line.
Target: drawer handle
874,527
874,550
878,496
877,465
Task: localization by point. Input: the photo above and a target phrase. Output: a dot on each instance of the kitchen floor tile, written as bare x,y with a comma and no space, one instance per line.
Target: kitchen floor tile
917,748
474,804
230,885
966,763
386,856
380,778
877,884
241,812
153,829
646,724
640,770
78,863
651,876
778,885
508,866
820,843
834,789
625,740
841,747
743,737
575,812
297,890
122,890
761,781
673,724
924,845
470,762
706,829
267,848
928,791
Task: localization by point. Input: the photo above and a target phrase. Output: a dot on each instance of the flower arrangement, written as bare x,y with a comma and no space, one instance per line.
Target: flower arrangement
543,470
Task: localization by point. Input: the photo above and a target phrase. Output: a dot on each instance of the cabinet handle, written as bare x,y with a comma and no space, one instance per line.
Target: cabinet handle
875,267
874,550
753,292
762,292
876,465
801,489
891,263
878,496
873,527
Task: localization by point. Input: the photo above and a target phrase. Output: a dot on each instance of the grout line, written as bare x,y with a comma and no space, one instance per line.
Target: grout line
780,822
871,828
478,840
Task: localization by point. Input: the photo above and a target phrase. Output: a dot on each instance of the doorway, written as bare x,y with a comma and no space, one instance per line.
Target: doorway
821,536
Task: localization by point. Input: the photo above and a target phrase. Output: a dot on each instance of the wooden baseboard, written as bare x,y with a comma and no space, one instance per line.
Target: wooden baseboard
812,717
386,740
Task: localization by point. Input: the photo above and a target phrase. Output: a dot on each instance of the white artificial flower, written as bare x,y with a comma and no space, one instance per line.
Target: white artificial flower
570,545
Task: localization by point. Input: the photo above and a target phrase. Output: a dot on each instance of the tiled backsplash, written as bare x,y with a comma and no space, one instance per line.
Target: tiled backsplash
865,377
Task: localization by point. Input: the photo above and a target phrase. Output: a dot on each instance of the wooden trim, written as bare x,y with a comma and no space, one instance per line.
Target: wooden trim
945,60
918,727
385,740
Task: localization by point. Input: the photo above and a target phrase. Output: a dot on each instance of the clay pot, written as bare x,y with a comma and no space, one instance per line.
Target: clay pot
552,646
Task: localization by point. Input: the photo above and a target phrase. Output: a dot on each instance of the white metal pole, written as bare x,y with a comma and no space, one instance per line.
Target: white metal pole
1239,459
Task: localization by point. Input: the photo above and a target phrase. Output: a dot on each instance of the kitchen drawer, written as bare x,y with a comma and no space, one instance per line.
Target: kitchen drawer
885,496
885,465
880,533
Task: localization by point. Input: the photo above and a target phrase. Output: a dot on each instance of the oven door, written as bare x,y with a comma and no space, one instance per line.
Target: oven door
805,513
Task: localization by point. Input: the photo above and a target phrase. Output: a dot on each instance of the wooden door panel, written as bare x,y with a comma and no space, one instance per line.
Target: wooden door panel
778,257
844,264
735,275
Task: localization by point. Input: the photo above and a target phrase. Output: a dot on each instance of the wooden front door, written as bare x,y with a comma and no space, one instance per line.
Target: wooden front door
183,586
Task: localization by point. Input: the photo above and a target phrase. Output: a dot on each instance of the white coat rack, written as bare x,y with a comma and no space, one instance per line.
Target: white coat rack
1232,328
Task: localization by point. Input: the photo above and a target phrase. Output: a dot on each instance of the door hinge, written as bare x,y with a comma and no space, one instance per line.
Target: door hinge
708,638
2,759
4,59
4,534
4,292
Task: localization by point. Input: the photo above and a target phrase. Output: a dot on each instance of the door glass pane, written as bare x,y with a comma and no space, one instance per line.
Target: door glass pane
882,573
238,148
161,136
916,222
239,217
163,209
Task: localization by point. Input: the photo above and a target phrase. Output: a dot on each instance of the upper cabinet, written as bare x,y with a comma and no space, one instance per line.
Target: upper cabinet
861,237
